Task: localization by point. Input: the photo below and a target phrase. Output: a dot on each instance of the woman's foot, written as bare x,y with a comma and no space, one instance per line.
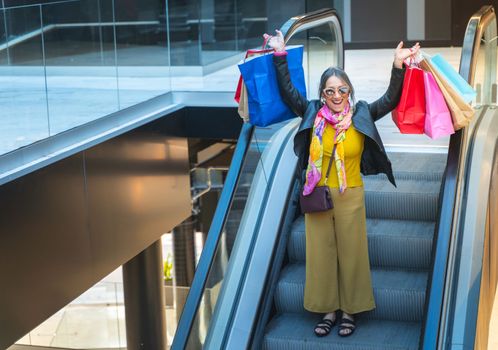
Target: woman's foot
347,325
325,325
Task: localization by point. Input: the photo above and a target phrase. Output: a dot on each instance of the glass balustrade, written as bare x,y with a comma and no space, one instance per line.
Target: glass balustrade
66,63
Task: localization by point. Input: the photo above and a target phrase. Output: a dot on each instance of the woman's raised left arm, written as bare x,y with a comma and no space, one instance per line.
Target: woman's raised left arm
391,97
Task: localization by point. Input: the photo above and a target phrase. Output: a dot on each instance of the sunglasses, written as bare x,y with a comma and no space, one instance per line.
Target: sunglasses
343,90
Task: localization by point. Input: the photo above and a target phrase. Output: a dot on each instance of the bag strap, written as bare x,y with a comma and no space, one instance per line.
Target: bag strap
330,163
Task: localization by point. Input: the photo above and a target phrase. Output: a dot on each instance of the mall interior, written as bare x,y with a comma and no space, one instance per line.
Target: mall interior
139,211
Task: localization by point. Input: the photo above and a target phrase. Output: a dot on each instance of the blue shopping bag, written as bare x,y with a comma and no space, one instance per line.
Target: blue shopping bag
264,101
455,80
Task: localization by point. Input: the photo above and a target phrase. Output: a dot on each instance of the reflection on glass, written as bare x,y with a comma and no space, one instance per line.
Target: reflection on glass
184,32
80,60
142,50
63,63
23,104
3,39
321,50
95,320
205,32
252,22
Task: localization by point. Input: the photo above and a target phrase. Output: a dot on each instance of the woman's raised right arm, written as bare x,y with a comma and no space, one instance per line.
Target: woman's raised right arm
291,96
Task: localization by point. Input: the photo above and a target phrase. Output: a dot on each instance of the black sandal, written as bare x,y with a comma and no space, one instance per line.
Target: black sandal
346,323
325,325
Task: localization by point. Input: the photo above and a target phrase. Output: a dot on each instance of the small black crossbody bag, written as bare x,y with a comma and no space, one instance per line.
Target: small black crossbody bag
321,198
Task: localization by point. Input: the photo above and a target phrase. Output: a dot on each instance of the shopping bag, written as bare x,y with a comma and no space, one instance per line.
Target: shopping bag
243,108
461,112
455,80
264,100
241,91
249,53
409,114
438,121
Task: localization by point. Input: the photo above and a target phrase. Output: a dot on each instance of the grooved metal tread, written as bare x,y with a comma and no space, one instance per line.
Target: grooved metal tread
295,332
411,200
403,186
392,243
399,295
418,162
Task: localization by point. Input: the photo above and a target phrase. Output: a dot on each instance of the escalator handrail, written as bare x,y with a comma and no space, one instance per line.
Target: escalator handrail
291,27
208,253
317,18
445,230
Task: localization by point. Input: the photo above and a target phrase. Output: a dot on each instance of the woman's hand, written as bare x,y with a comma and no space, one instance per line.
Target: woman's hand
276,42
401,54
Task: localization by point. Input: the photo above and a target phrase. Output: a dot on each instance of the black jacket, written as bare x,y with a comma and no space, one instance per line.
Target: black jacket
374,158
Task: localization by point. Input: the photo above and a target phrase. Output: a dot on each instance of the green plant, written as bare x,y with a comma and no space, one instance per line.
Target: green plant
168,268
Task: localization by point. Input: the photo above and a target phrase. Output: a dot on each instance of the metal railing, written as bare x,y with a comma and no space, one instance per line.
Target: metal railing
479,25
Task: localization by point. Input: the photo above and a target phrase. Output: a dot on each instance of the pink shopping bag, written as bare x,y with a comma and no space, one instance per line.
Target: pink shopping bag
438,120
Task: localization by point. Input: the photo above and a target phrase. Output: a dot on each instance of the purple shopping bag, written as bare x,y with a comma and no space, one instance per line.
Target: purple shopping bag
438,120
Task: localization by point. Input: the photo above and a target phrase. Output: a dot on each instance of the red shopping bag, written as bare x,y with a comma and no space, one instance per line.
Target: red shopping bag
409,115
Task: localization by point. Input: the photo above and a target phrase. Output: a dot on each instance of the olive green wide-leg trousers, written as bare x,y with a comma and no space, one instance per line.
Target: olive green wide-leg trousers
337,263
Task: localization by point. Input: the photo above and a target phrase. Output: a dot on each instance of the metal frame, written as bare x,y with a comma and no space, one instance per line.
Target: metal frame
452,190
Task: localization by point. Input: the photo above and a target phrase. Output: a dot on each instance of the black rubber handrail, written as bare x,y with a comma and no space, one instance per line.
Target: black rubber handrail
185,325
208,253
445,226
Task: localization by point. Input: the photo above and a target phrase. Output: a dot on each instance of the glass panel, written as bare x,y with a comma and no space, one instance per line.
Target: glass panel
142,50
252,22
219,30
79,51
94,320
23,104
321,49
259,141
184,22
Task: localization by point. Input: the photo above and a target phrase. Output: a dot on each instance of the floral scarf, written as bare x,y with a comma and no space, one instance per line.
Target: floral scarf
340,122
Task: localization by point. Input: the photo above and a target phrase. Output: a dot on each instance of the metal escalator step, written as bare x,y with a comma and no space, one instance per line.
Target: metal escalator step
411,200
411,175
399,295
391,243
400,243
409,162
295,332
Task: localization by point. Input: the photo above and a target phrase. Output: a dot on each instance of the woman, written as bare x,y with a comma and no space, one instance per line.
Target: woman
337,265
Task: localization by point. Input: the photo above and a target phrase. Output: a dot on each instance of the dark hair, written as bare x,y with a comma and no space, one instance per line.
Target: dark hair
336,72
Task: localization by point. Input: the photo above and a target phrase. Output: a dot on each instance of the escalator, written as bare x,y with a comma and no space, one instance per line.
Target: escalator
249,286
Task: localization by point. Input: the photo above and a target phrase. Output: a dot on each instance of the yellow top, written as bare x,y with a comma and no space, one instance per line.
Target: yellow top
353,148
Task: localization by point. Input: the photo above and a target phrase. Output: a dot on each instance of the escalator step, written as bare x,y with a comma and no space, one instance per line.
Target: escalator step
411,200
295,332
391,243
399,295
408,162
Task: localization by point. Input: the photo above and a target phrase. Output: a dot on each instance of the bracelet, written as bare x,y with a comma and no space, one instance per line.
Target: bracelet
280,53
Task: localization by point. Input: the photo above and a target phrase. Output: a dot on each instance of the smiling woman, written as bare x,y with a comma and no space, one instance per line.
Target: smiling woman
335,130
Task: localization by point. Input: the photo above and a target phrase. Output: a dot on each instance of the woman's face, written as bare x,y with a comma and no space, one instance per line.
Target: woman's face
336,94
